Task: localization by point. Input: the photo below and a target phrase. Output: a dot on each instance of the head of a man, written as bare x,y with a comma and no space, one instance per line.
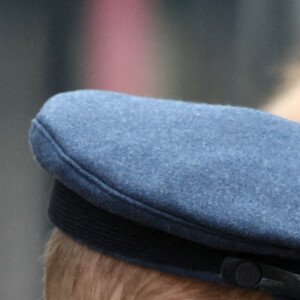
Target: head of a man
76,272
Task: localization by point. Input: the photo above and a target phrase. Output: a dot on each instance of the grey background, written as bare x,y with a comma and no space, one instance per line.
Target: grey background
40,56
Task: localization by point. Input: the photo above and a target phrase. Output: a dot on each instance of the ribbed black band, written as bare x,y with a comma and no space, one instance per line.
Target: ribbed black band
102,230
120,237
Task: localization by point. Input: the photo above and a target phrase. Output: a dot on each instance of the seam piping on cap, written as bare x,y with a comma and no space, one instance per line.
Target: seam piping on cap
113,192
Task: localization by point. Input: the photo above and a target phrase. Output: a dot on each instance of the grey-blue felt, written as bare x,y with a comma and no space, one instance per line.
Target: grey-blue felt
223,176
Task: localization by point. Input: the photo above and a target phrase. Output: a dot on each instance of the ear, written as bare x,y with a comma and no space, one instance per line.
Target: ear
286,104
285,100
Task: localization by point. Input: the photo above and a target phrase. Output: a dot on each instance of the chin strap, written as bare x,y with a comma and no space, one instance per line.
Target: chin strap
262,277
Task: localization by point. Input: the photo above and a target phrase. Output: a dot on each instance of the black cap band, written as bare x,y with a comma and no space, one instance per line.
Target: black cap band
120,237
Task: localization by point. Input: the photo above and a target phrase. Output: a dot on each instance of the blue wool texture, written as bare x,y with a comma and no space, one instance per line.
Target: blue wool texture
222,176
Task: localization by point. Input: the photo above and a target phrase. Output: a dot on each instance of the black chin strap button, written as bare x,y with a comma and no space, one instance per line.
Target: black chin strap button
262,277
247,274
241,272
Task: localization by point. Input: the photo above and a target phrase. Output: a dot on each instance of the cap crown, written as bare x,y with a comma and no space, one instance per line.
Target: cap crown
227,177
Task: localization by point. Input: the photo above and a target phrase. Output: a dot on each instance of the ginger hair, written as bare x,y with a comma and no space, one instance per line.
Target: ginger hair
74,271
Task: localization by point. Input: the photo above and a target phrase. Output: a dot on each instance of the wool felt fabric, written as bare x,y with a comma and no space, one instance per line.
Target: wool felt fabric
217,176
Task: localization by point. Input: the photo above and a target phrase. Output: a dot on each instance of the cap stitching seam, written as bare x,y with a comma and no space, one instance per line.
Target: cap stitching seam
113,192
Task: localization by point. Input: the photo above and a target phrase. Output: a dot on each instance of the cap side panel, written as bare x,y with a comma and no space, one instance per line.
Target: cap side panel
52,157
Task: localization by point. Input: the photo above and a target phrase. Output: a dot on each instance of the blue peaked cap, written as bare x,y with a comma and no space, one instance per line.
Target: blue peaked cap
203,191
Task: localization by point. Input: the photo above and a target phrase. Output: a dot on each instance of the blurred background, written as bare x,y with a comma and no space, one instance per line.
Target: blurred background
213,51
